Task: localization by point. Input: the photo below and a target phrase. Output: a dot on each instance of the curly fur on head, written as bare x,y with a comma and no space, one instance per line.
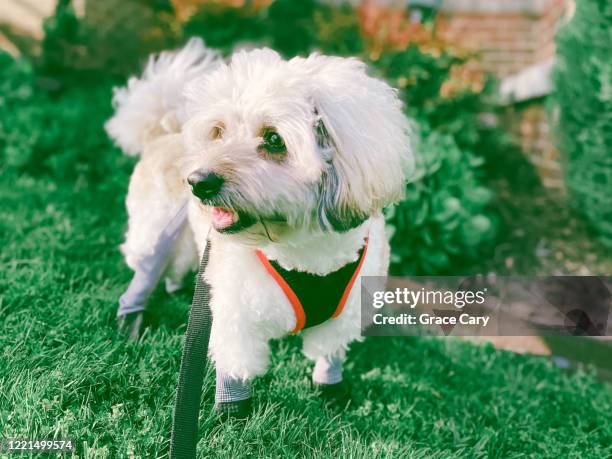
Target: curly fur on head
150,105
347,140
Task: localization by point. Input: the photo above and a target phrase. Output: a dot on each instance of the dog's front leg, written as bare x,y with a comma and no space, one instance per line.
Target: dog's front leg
328,369
240,354
232,396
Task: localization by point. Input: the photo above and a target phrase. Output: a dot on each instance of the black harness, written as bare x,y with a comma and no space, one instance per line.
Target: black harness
315,299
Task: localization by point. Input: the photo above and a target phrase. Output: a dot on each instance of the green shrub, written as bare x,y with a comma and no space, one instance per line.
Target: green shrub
445,221
112,39
445,218
292,26
16,89
311,25
583,82
222,27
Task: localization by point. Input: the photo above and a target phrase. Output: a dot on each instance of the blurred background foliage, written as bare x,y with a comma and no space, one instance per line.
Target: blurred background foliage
55,103
583,81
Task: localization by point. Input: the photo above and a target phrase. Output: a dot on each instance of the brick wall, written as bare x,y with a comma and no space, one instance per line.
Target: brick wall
529,122
515,40
507,39
512,39
505,43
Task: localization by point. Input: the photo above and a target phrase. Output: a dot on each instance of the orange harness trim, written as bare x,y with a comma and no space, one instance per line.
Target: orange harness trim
348,288
295,302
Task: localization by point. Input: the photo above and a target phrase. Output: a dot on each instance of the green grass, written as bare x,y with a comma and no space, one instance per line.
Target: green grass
65,373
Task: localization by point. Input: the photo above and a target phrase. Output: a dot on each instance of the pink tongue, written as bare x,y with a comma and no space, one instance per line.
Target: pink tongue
222,218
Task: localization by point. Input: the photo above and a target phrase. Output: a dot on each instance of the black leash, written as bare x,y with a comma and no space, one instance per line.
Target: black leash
193,365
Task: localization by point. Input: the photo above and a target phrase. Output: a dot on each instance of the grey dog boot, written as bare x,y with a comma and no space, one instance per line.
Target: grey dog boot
232,397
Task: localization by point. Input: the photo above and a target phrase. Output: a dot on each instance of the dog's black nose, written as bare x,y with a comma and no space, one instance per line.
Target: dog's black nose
205,185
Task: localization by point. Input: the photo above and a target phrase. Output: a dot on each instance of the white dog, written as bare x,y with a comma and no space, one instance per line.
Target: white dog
290,162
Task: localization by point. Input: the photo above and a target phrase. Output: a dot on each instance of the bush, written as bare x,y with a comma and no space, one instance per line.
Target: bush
583,82
53,109
313,25
222,27
445,219
112,39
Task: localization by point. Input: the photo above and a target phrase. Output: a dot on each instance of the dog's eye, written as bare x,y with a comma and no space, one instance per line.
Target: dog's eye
273,142
217,131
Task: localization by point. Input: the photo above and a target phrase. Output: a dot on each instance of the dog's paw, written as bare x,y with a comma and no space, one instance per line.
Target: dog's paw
334,395
239,409
131,325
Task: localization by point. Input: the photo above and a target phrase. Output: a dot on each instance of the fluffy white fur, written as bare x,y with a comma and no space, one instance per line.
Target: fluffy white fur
347,155
147,118
151,105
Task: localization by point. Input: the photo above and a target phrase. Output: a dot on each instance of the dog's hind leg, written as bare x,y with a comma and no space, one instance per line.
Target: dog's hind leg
183,259
326,344
147,273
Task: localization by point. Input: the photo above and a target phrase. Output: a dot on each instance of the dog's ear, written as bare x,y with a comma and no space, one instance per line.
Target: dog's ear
333,212
363,135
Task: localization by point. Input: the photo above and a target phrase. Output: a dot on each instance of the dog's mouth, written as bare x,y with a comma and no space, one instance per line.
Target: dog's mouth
229,221
223,217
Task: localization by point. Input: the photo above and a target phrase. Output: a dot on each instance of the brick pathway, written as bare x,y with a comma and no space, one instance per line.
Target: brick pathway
23,17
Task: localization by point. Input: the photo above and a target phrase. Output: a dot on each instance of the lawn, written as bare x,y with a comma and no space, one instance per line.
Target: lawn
66,374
